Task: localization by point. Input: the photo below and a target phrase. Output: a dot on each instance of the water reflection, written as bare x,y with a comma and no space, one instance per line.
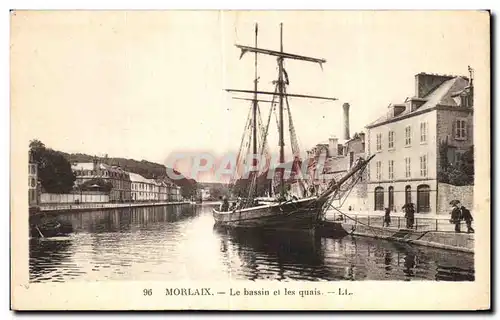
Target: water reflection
180,242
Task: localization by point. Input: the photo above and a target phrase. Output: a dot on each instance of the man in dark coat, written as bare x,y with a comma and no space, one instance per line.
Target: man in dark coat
387,217
456,216
409,215
467,216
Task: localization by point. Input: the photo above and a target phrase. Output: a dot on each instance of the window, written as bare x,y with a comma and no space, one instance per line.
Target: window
379,198
423,132
408,136
391,198
379,141
379,170
423,166
407,194
466,100
391,139
461,129
407,167
391,169
32,183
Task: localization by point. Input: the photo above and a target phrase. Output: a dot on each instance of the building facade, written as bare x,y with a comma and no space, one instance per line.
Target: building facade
32,182
153,190
407,139
142,188
335,158
338,159
119,179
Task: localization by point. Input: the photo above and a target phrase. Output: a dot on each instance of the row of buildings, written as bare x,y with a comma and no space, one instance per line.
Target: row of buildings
127,186
407,142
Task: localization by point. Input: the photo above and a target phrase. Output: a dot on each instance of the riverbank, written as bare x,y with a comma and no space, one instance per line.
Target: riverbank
59,208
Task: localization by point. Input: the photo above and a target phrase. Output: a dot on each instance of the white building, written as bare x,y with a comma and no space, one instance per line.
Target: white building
142,189
407,139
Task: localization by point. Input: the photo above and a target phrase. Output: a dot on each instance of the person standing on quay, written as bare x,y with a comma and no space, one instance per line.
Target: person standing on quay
467,216
387,217
456,215
409,215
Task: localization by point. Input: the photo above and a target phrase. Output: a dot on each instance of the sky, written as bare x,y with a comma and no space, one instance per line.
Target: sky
145,85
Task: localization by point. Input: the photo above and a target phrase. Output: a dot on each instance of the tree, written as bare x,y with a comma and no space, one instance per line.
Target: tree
54,170
459,174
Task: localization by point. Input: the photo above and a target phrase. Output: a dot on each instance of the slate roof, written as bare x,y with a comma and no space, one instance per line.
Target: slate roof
442,95
134,177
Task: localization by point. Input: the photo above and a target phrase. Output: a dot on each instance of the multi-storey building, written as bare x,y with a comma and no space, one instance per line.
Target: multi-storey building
175,193
120,180
32,181
407,139
163,190
142,188
338,160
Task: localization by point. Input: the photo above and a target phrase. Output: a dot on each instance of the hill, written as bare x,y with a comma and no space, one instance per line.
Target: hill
147,169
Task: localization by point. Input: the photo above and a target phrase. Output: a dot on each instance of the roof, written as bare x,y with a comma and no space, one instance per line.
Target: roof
90,166
442,95
86,166
134,177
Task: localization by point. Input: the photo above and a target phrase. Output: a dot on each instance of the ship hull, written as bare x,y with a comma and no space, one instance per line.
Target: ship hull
297,214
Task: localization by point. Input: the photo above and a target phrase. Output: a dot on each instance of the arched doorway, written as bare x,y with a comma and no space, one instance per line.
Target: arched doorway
391,198
379,198
423,198
407,194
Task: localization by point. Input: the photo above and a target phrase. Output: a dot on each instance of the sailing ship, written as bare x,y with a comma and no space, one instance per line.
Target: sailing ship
280,211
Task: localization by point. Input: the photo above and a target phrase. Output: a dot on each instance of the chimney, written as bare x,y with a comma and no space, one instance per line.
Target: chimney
96,165
346,121
333,147
425,83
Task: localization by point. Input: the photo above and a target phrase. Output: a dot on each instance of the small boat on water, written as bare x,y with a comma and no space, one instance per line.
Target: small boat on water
42,226
281,211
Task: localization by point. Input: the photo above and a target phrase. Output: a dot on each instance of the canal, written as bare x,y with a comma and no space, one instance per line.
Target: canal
180,242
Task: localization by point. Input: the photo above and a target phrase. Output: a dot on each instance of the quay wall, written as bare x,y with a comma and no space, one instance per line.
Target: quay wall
86,197
463,242
70,208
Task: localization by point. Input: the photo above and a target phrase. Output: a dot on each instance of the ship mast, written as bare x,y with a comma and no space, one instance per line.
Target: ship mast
281,131
280,91
256,79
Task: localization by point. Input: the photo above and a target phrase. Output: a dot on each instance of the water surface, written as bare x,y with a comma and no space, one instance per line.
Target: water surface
180,242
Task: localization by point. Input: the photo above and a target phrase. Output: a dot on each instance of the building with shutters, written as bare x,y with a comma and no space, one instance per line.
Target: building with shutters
407,139
85,171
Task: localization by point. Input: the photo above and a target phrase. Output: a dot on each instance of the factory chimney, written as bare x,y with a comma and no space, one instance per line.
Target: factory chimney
346,121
